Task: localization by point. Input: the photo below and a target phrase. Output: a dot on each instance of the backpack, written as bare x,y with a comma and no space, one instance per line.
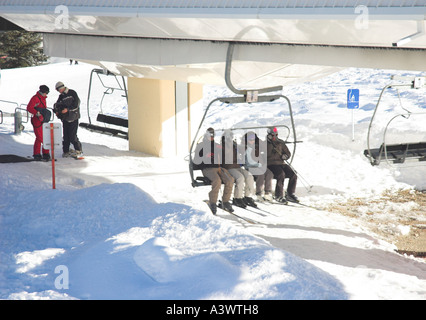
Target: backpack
45,113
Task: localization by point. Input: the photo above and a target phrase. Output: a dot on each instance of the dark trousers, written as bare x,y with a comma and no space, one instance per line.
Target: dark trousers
264,182
70,136
280,173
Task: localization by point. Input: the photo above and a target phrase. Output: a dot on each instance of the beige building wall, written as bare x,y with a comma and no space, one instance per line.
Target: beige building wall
154,126
195,93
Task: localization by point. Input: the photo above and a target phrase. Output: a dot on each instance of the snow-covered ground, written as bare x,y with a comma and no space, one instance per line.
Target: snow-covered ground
124,225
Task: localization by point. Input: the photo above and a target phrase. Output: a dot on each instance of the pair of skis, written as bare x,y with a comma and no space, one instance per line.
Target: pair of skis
256,210
251,221
291,204
72,155
30,159
75,155
260,211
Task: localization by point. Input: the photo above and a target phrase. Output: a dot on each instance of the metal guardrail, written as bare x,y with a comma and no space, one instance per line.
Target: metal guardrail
21,115
17,115
7,114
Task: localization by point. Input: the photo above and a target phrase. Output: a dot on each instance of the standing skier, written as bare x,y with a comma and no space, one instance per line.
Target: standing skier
36,106
208,154
278,154
67,108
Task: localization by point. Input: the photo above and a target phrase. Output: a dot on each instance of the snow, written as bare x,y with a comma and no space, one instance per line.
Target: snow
124,225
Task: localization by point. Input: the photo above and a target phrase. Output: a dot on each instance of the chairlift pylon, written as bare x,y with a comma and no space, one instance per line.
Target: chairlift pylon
243,96
397,153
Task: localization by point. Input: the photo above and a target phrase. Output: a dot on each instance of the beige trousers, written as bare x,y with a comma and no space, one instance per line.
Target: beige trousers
244,183
217,176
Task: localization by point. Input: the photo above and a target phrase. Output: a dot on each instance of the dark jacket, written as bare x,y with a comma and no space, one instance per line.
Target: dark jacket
277,152
208,154
68,99
230,155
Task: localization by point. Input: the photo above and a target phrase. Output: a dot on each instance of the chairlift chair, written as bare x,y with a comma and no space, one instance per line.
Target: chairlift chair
101,117
202,181
397,153
244,96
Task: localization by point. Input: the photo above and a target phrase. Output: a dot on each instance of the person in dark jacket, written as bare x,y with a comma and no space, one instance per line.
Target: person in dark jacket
38,102
67,109
278,154
244,181
208,155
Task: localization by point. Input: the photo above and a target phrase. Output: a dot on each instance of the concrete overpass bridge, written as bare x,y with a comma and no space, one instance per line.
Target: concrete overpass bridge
169,48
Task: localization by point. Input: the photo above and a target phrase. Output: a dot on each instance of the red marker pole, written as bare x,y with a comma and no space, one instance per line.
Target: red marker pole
52,148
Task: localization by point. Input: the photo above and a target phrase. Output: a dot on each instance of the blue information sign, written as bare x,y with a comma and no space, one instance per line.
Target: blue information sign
353,98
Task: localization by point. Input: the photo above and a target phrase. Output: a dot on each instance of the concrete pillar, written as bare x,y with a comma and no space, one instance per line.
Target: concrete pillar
159,115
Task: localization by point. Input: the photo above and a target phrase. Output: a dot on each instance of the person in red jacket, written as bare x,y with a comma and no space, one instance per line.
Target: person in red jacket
36,102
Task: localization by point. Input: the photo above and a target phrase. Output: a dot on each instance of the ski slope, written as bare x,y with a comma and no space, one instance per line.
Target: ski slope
125,225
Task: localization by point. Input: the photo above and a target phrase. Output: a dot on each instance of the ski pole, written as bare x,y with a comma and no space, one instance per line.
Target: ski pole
305,183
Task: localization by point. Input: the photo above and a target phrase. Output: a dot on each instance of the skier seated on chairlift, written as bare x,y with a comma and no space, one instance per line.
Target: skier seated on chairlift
255,162
208,154
278,154
244,181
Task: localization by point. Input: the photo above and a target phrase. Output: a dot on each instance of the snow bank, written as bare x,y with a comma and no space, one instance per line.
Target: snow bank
118,243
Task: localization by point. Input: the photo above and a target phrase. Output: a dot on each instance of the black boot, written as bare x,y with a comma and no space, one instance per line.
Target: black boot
282,200
292,198
250,202
239,203
213,207
226,206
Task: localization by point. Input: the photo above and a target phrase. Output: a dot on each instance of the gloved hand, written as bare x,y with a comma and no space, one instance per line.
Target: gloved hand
284,156
39,116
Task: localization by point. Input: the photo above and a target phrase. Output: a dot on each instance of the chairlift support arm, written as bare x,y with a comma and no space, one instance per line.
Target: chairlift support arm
228,81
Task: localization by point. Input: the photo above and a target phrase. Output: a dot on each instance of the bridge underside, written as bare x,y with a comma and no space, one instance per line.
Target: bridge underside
203,61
